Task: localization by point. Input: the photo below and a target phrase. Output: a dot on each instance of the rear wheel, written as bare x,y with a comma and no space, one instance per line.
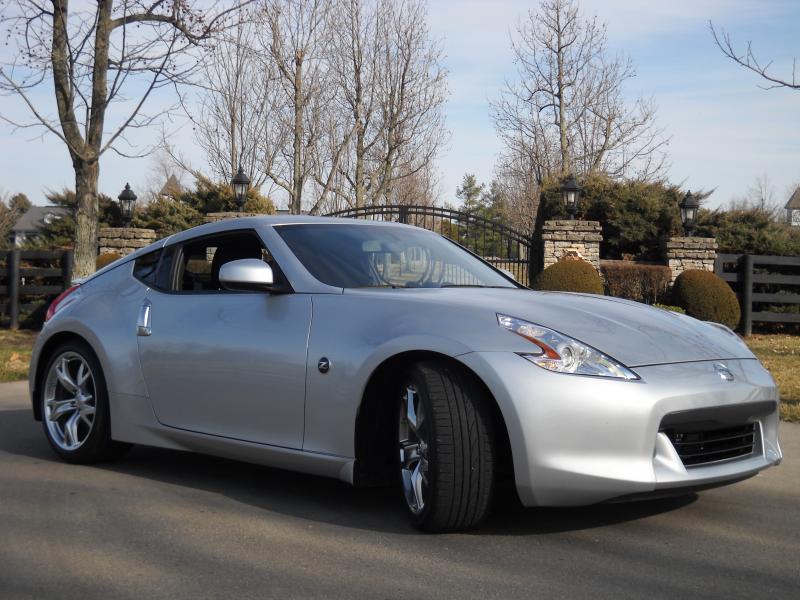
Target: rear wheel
446,447
75,411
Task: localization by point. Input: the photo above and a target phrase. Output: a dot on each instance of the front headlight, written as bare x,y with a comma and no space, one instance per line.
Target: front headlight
558,352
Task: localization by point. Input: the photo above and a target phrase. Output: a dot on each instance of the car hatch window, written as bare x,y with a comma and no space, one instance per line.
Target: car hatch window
144,268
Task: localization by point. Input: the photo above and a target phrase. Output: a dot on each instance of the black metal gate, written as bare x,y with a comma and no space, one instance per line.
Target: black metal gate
496,243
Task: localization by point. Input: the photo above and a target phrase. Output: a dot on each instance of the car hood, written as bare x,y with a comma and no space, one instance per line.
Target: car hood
635,334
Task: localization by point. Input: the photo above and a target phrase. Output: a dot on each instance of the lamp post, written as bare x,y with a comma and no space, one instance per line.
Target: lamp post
570,192
689,206
127,201
240,184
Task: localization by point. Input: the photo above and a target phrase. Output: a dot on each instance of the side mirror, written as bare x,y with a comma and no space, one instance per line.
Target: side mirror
246,274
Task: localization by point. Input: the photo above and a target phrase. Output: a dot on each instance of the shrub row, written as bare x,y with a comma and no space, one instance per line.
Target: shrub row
700,294
636,281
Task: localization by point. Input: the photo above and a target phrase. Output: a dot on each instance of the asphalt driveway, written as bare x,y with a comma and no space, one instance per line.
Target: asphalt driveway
176,525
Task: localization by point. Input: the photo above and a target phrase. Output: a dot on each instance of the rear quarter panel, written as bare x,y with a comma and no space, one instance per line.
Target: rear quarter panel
105,316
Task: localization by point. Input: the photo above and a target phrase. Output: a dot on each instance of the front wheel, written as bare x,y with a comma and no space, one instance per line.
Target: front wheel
446,447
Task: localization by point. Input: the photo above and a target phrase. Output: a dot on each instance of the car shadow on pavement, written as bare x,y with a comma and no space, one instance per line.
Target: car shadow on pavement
320,499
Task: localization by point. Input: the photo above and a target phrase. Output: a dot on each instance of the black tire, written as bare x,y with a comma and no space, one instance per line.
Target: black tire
460,446
98,446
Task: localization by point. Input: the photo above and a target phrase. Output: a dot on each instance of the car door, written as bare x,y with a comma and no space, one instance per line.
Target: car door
219,362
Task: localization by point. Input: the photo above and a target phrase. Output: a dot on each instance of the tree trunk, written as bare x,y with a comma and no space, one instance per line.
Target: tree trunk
360,188
562,118
297,175
86,213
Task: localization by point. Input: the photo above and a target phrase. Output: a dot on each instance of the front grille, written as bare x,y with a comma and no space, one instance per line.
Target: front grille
701,447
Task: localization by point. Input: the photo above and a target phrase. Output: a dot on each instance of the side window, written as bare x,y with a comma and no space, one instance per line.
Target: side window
201,260
144,269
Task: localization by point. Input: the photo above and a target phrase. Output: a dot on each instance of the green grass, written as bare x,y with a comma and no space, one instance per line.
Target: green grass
779,353
15,354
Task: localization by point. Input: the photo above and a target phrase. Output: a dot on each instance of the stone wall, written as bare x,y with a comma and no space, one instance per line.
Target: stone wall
571,239
222,216
124,240
688,253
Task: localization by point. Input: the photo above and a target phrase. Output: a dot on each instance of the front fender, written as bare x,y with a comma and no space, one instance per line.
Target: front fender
355,347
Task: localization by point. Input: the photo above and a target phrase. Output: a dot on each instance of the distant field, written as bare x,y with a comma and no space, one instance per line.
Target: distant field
779,353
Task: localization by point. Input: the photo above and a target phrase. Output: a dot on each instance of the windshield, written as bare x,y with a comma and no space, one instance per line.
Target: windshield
351,256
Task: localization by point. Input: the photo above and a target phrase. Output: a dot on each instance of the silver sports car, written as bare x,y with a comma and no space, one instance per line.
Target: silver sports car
379,353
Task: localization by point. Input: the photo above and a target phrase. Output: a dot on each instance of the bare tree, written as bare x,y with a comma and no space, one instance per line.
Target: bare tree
748,60
101,55
413,91
294,40
354,66
565,112
391,86
232,114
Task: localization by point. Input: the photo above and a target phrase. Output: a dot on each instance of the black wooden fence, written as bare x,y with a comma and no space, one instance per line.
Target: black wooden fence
29,279
495,242
768,287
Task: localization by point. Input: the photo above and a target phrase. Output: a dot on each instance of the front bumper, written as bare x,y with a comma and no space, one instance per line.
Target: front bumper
579,440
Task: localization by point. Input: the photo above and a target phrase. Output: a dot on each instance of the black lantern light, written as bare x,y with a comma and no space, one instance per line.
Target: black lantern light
240,184
689,206
127,201
570,192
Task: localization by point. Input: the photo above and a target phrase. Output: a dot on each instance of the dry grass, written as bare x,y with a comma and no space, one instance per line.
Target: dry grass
781,355
15,354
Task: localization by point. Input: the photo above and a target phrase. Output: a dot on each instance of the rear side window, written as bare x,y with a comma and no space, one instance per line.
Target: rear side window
144,269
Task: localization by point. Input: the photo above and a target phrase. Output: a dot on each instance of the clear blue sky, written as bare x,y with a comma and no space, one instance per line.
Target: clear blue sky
725,130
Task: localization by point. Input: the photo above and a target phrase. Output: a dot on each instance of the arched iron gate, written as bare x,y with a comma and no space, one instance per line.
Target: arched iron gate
496,243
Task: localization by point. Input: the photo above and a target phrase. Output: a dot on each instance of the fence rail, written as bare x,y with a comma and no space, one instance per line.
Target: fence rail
759,287
31,275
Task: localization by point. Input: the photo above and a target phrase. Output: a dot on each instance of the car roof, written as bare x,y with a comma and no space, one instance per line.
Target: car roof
271,221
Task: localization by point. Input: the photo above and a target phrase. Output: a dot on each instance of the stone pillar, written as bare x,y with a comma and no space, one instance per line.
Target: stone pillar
124,240
222,216
689,253
571,239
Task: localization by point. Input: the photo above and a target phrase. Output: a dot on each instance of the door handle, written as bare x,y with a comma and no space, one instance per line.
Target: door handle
143,323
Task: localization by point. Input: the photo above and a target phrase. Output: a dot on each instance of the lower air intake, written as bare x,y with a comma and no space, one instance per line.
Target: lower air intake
702,447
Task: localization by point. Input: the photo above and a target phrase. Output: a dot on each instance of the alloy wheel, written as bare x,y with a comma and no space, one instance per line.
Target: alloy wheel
414,456
69,401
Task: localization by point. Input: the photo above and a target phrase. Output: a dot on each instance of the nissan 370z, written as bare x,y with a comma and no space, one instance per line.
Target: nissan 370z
380,353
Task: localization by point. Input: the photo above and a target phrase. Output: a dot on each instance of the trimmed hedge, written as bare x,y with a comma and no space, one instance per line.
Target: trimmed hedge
705,296
569,276
636,281
676,309
106,259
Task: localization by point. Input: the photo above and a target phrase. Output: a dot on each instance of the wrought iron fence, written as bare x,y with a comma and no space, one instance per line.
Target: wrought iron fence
503,247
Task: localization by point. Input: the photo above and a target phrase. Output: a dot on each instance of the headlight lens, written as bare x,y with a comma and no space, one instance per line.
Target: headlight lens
558,352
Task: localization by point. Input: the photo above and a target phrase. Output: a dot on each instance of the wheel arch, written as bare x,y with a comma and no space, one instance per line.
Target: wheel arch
374,443
52,343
